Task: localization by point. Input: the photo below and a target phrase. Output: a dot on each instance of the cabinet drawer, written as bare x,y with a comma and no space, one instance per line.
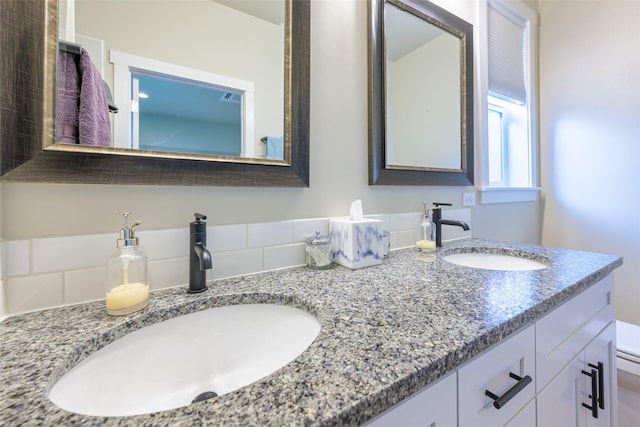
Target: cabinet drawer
435,406
565,331
491,371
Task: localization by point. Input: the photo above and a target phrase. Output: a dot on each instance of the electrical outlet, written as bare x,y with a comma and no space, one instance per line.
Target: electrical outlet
469,199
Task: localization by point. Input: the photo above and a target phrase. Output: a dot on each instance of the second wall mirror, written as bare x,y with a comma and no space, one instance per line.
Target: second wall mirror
420,95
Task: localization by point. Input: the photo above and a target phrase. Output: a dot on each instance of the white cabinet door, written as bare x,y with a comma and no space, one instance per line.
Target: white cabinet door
600,356
565,331
495,371
560,403
435,406
525,418
568,400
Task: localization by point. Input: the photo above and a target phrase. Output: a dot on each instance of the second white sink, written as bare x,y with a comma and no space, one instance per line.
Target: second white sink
493,261
168,364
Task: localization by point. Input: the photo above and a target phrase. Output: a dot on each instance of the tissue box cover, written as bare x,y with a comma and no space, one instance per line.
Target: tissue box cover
356,244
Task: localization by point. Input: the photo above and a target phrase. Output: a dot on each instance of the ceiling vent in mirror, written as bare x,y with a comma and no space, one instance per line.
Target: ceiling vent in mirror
233,98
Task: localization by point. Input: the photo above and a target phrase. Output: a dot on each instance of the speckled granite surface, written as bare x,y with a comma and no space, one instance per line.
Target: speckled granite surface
387,332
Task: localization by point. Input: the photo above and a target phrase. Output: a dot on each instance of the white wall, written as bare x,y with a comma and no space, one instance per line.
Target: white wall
338,169
426,127
590,134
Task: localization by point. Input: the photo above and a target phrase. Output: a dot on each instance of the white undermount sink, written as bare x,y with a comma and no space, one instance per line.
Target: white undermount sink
494,261
168,364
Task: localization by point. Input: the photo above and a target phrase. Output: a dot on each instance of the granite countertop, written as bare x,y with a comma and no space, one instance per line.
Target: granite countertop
386,332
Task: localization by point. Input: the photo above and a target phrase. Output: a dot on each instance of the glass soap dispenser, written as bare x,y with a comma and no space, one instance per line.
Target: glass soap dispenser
127,286
425,235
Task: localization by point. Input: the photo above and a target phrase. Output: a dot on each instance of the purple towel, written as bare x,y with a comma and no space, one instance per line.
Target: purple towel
82,110
68,98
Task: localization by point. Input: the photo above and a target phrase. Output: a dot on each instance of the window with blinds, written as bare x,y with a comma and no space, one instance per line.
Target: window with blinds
507,53
510,145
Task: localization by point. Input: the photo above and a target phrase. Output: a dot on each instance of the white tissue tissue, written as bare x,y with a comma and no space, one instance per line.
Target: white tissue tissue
356,211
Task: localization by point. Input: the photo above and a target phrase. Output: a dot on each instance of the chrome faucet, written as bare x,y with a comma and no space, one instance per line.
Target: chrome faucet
436,217
199,256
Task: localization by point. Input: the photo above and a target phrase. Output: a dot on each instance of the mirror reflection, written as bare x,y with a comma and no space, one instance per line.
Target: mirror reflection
422,93
195,77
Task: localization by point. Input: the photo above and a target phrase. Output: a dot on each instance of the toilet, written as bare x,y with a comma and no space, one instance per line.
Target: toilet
628,361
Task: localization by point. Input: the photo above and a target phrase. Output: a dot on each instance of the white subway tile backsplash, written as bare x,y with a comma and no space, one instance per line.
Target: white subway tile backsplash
33,292
70,253
84,285
270,234
386,221
305,228
407,238
394,239
221,238
16,256
47,272
276,257
463,215
168,273
161,244
3,307
404,221
237,263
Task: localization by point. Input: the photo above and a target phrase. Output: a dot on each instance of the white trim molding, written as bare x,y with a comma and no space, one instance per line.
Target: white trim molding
490,195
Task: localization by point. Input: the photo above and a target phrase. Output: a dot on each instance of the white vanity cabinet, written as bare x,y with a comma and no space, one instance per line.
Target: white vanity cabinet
543,375
435,406
576,361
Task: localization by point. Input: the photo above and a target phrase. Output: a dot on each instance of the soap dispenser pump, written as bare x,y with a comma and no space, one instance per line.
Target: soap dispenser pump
127,286
425,238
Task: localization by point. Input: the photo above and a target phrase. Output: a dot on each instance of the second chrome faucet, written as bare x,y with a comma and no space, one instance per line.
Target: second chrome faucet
199,256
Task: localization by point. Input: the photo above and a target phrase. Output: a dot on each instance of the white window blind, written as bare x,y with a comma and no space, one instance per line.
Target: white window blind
506,49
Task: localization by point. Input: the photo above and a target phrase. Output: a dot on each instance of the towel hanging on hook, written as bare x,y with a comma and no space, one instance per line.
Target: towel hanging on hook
76,49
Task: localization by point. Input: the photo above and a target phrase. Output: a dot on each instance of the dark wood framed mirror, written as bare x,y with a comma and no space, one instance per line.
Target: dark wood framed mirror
27,130
420,73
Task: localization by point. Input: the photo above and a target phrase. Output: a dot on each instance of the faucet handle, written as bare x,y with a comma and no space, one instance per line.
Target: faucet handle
199,225
438,204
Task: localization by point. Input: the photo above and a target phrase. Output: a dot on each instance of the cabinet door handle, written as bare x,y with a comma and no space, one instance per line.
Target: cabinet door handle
600,369
594,393
500,401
